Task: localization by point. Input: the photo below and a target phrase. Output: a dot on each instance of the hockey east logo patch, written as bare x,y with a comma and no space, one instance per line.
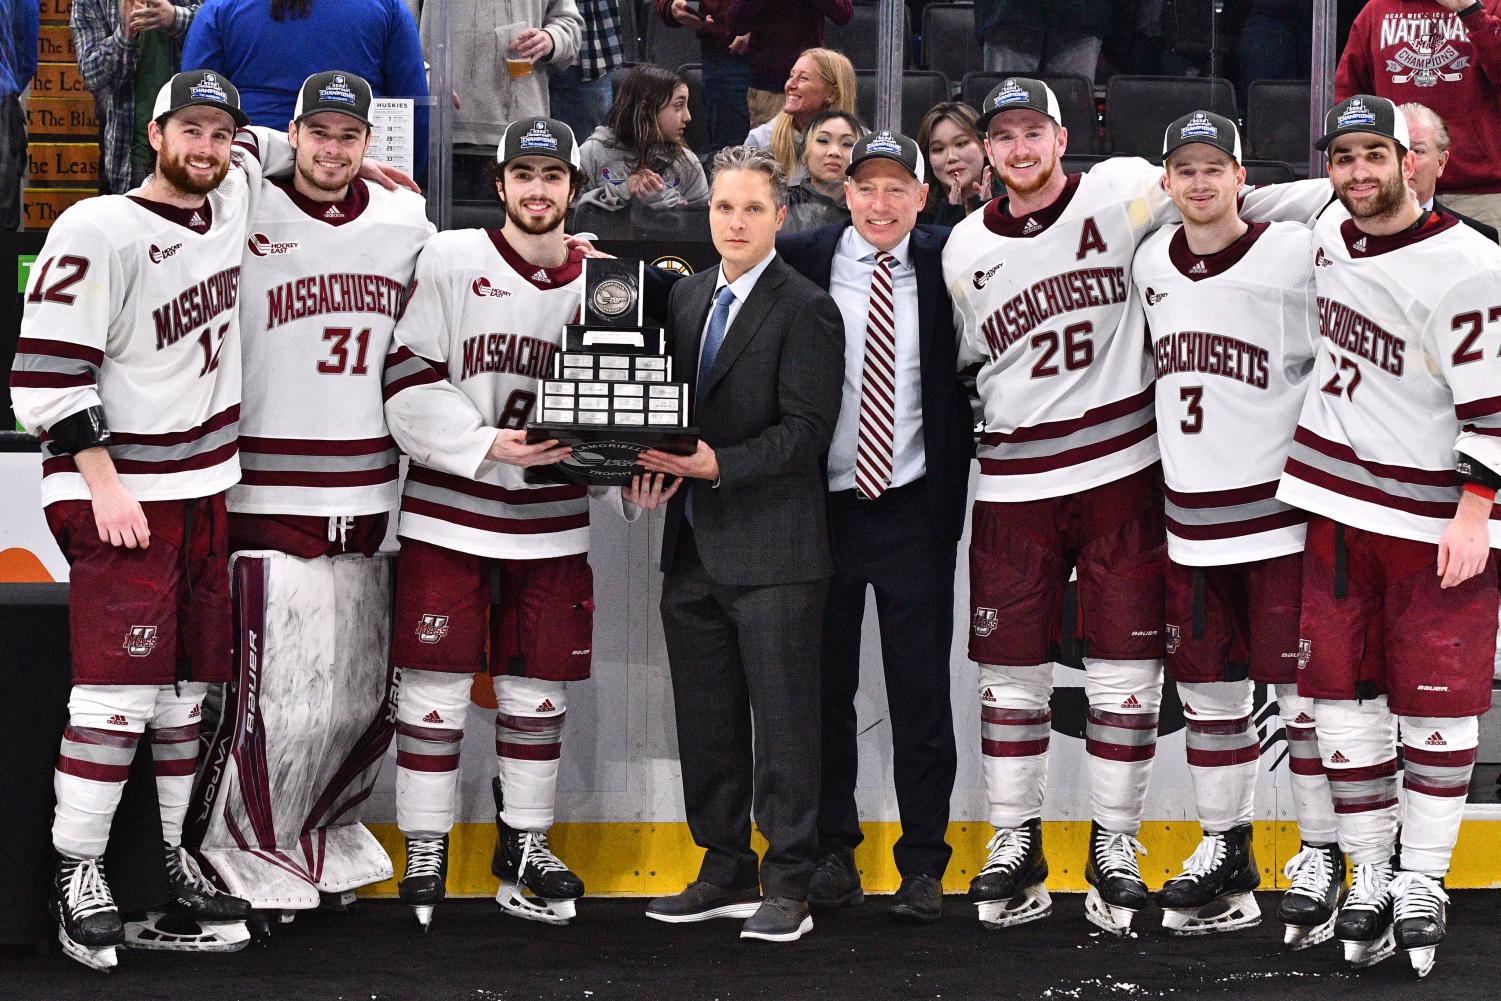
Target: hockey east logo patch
140,641
262,245
481,287
984,622
159,254
432,628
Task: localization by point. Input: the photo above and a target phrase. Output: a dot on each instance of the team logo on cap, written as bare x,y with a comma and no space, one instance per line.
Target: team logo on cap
1357,114
1199,127
338,91
884,142
538,137
1011,93
208,89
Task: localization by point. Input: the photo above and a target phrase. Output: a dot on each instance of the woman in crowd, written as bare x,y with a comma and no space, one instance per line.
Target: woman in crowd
638,154
818,199
959,178
821,80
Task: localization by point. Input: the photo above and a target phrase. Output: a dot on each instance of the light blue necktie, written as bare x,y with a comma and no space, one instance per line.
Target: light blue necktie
719,321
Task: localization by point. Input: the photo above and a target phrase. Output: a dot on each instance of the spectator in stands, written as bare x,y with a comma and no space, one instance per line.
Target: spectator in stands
269,47
18,44
726,71
1446,54
125,48
780,31
959,177
638,155
1053,37
487,96
821,80
1276,42
581,93
1429,138
818,199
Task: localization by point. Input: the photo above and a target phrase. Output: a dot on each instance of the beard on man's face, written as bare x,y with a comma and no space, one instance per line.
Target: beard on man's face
1388,199
546,224
175,169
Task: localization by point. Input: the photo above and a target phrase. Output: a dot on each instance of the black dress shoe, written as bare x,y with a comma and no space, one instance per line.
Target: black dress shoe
919,899
835,881
779,919
702,901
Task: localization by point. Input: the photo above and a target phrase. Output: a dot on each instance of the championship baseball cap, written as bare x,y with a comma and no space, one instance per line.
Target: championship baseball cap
337,91
1018,92
887,145
1202,127
199,88
538,137
1364,113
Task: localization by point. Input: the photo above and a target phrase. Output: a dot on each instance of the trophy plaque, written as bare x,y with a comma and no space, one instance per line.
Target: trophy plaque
612,395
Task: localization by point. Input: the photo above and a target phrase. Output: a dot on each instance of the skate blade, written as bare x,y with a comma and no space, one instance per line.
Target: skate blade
424,915
1421,959
1239,910
191,936
1363,954
101,958
548,912
1107,917
1300,937
1031,904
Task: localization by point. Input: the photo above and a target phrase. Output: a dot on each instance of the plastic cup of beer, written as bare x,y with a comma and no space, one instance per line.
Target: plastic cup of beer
507,34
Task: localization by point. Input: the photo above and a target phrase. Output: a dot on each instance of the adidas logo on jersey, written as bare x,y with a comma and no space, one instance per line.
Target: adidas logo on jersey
432,717
546,707
195,712
1338,758
1359,245
197,220
1436,739
333,213
1199,269
117,720
987,696
1131,703
1031,227
1304,720
542,276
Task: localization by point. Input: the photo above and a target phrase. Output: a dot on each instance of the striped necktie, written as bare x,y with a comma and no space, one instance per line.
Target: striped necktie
873,447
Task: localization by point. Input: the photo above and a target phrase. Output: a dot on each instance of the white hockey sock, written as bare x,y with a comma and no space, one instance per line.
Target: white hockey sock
1223,751
1310,786
528,742
174,751
1437,758
104,724
1015,723
429,728
1121,738
1358,743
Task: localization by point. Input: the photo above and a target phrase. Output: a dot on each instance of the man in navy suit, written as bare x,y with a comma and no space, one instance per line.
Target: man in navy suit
898,472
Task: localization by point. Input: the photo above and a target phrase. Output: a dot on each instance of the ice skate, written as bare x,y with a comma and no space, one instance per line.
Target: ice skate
524,862
1116,890
197,917
423,884
1364,923
1011,888
1317,878
1420,908
1213,893
88,925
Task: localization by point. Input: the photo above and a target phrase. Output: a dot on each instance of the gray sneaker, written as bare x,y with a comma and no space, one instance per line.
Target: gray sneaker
919,899
779,919
701,901
835,881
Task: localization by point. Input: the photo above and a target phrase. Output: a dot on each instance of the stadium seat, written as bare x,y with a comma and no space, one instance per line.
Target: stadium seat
471,174
921,89
697,136
948,39
858,40
1259,172
668,46
1138,109
1075,100
1277,121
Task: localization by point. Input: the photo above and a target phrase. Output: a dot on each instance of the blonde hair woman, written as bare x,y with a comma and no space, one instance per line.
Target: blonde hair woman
821,80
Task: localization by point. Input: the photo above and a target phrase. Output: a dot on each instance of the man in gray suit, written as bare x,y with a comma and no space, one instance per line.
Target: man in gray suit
745,550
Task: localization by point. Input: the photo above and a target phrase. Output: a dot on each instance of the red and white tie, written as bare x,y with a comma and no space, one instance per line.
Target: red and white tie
877,386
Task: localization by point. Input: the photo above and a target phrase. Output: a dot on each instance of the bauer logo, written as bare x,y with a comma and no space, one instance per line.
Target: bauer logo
261,245
159,254
140,641
985,621
481,287
432,628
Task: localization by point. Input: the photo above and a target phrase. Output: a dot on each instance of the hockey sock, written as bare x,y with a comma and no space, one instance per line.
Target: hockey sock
1015,723
429,728
98,745
1311,802
1223,751
1121,738
528,740
1437,758
1358,743
174,750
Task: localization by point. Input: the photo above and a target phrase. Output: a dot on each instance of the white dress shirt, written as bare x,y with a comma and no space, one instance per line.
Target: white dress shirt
742,288
853,270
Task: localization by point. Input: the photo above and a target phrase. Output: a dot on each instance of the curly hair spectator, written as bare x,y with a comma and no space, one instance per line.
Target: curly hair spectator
950,137
821,80
638,154
818,199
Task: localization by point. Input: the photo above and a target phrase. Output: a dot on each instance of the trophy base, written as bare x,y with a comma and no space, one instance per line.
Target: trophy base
604,455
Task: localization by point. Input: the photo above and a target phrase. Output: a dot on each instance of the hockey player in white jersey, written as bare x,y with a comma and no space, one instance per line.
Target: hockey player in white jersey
486,556
1040,281
1396,459
1230,306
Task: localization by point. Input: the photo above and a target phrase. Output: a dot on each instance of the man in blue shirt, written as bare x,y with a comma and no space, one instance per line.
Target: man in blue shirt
18,42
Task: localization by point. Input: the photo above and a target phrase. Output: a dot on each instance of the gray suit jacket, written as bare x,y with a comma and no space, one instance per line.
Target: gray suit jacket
768,411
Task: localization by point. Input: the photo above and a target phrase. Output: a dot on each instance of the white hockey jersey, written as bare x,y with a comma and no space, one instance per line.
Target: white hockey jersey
1233,341
1408,374
480,329
1044,306
131,306
321,289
